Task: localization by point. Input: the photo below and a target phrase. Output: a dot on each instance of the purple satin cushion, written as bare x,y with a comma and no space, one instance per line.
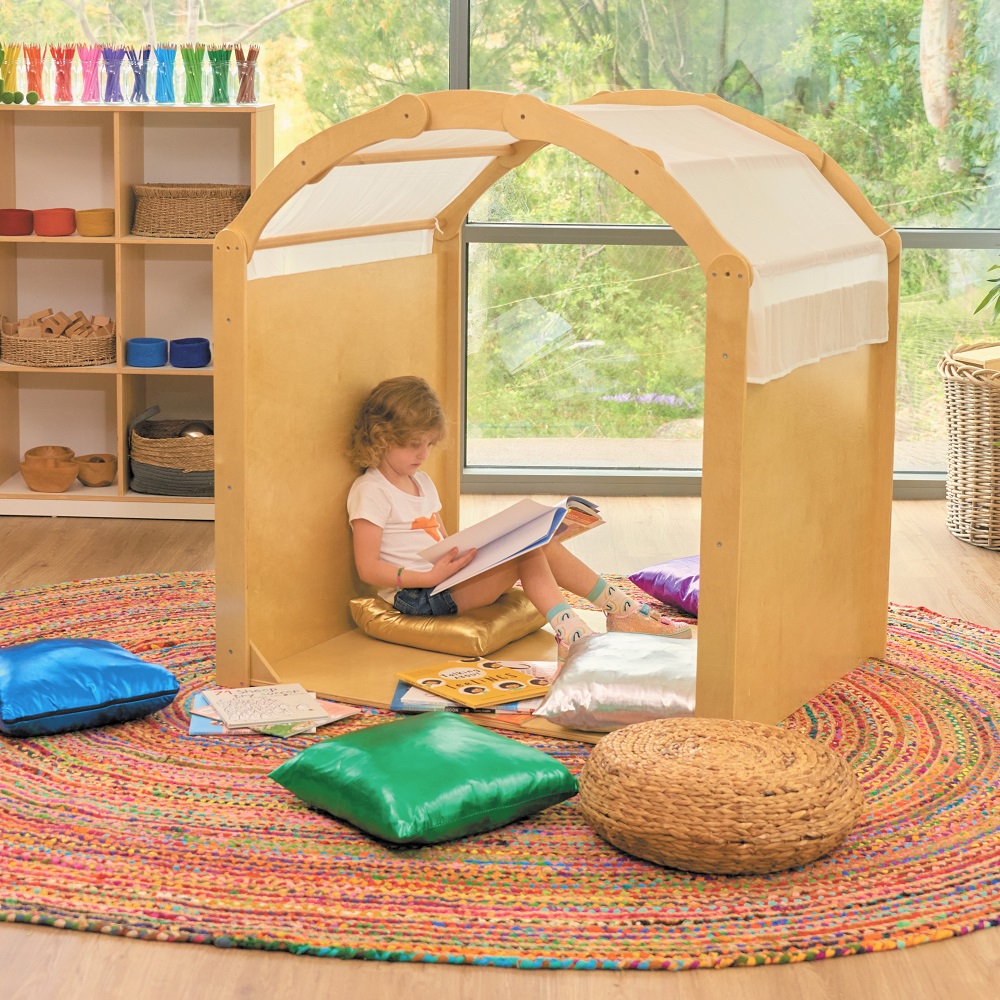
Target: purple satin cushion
673,582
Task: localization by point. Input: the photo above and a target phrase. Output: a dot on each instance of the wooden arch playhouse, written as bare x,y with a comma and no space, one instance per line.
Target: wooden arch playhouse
344,269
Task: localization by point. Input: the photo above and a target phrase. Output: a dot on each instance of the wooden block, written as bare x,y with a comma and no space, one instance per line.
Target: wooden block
56,323
29,332
78,328
983,357
104,321
48,334
41,314
9,329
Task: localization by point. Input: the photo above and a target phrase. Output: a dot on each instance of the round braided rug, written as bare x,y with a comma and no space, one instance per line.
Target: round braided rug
140,830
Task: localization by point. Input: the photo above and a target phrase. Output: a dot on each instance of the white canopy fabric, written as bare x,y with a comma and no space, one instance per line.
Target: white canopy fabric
820,277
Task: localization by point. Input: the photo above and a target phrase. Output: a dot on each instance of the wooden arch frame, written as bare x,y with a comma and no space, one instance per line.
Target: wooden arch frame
794,585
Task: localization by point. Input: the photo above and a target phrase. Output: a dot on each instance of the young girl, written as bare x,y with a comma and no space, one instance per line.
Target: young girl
395,513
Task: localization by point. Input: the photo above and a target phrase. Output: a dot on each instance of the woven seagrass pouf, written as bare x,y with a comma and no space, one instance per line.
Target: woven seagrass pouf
721,797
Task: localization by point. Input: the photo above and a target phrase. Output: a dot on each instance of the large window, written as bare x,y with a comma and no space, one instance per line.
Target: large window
585,313
619,350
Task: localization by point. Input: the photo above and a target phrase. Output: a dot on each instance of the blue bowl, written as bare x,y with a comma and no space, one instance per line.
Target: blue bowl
145,352
190,352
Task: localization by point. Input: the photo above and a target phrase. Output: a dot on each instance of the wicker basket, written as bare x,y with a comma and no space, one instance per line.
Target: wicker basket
58,352
164,464
196,211
972,402
710,795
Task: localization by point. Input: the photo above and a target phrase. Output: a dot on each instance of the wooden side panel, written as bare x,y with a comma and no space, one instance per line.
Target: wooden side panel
450,387
813,571
316,343
795,526
229,312
10,426
727,293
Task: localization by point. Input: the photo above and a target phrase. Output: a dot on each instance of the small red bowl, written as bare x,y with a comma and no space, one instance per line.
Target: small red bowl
16,222
55,221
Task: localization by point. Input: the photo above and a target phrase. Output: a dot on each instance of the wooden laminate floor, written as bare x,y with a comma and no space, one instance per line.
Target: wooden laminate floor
929,568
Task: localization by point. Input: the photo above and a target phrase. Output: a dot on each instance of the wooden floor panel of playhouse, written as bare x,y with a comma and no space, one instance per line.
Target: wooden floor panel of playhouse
362,671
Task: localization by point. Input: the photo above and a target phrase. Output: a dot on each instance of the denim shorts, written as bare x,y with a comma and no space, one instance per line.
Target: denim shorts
419,601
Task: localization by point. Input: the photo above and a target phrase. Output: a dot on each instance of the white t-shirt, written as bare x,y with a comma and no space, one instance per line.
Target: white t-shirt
408,522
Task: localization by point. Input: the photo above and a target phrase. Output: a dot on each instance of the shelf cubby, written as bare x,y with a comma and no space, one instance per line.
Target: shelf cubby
91,156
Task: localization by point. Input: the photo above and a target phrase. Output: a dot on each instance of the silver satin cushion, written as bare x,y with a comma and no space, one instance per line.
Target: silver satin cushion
614,679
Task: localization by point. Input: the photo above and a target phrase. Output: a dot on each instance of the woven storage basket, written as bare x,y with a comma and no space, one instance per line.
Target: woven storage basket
710,795
58,352
167,465
197,211
972,402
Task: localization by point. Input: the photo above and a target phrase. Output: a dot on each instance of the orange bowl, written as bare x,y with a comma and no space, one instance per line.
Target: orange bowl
49,475
55,221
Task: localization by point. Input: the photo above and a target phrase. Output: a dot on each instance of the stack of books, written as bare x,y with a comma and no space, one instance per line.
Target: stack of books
275,710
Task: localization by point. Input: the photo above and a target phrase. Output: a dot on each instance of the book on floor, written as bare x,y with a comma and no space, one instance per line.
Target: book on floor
522,527
412,699
206,721
477,685
266,705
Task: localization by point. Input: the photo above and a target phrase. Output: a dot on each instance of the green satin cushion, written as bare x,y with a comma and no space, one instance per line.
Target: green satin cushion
426,779
476,633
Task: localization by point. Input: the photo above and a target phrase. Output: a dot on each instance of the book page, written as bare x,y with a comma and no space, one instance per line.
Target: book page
523,539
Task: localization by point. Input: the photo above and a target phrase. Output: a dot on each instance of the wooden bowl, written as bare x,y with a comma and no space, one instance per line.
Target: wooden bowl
49,475
96,470
45,452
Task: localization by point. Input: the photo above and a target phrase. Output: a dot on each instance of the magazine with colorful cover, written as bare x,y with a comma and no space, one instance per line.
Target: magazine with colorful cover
522,527
478,685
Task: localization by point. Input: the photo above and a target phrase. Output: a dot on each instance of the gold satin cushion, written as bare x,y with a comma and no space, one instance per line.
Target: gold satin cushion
476,633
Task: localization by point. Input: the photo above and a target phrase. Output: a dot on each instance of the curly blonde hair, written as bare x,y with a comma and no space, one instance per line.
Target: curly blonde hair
392,413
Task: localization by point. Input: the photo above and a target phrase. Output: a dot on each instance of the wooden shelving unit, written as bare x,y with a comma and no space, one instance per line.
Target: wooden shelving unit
90,156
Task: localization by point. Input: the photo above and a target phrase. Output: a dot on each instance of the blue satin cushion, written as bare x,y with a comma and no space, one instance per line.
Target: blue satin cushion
54,685
426,779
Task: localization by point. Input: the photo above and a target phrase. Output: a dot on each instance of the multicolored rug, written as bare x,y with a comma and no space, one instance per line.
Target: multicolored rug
142,831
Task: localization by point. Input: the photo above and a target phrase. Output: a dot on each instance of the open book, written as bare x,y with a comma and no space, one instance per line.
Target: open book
528,524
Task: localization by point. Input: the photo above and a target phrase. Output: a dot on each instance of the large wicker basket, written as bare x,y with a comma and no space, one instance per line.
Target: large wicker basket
972,402
195,211
711,795
58,352
164,464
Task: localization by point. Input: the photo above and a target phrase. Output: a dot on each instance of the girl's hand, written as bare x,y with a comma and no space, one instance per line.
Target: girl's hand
451,562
